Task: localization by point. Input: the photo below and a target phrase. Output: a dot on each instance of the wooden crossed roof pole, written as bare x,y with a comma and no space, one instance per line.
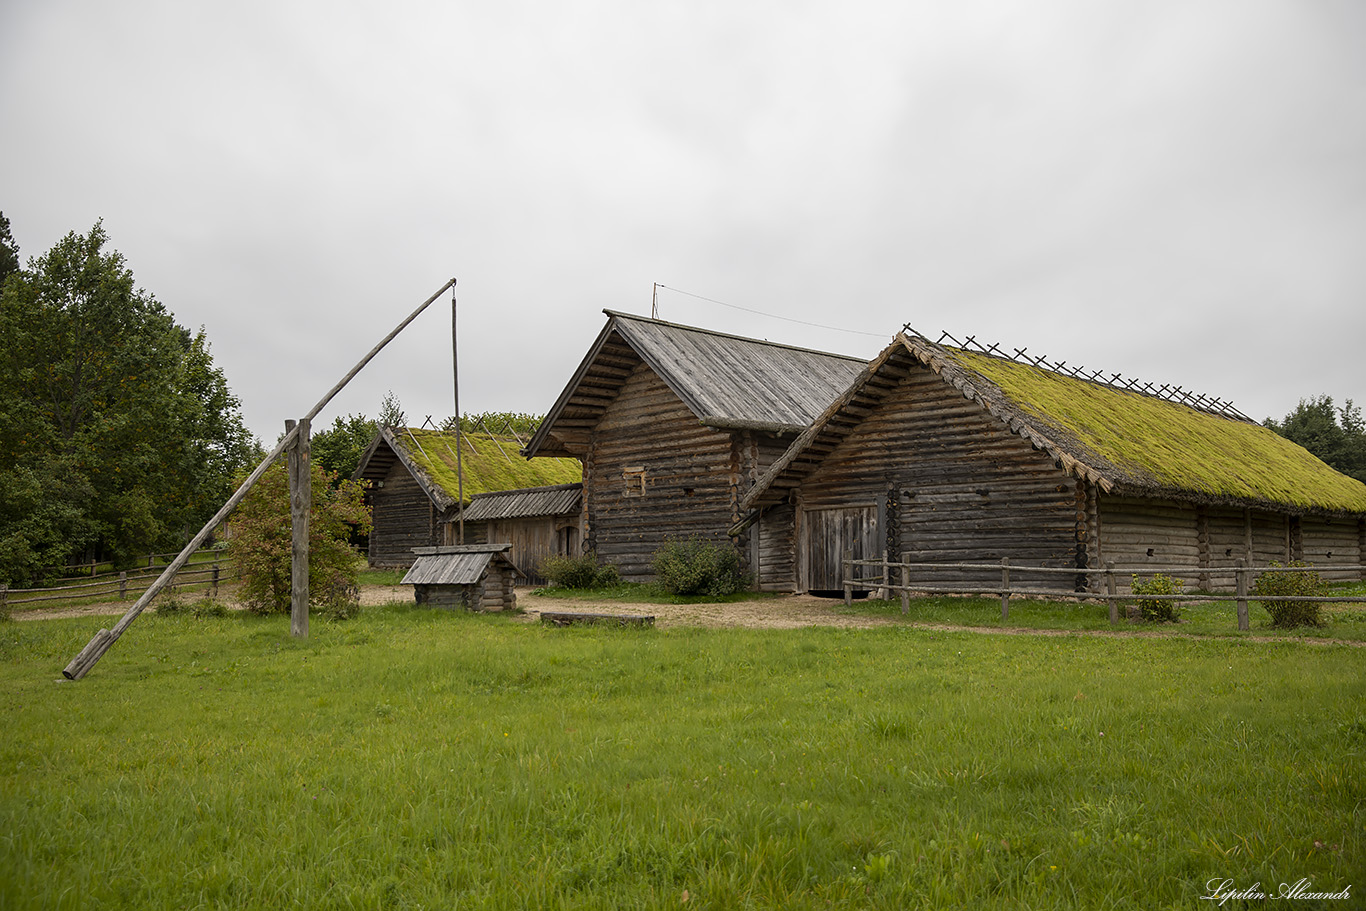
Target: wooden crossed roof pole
104,639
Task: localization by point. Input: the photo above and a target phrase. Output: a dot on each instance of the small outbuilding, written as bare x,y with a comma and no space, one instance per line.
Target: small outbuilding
477,577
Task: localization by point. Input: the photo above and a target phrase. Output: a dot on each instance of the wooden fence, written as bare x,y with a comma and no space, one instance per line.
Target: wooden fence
1243,575
123,584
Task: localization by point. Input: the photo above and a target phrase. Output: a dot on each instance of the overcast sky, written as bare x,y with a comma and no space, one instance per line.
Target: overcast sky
1171,190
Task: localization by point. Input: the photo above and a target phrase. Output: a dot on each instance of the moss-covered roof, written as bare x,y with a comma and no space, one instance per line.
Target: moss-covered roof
488,463
1143,442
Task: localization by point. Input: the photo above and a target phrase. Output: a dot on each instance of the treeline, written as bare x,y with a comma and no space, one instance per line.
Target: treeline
339,448
117,432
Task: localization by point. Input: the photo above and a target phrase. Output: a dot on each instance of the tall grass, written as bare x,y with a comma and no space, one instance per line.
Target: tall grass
426,759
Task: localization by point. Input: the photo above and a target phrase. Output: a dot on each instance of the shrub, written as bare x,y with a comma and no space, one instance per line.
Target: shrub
262,541
1152,609
579,572
698,567
1288,614
339,597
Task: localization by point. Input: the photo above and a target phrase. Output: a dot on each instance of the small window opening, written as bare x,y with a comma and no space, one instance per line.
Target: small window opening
1150,551
635,481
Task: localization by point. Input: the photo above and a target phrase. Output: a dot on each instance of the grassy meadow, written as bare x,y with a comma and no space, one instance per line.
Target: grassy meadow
419,759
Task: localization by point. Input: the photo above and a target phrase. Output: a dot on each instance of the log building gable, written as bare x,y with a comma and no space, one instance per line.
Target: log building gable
1117,440
726,382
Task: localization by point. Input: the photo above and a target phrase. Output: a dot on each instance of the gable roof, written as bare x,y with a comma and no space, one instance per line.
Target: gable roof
458,564
729,382
488,463
1121,440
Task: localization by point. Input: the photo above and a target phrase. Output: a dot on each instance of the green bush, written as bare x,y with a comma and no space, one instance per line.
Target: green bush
1151,608
698,567
579,572
1289,614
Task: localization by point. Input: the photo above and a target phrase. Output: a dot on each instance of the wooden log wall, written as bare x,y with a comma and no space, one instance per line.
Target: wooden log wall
404,518
962,486
1330,541
773,535
688,484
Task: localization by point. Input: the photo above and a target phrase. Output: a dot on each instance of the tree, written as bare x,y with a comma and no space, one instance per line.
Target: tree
9,251
339,448
1337,436
116,429
391,412
262,541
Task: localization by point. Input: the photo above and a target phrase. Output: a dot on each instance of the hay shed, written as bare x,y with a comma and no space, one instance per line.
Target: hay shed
470,576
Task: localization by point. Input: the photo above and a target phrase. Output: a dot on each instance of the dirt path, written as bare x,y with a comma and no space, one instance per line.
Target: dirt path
785,612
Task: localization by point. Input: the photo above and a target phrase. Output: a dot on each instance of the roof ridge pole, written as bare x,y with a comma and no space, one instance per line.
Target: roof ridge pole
102,640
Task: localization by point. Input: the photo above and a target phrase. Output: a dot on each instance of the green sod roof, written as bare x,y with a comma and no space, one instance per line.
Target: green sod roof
488,463
1142,442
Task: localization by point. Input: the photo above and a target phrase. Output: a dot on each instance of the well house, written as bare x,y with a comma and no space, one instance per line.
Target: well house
672,424
962,456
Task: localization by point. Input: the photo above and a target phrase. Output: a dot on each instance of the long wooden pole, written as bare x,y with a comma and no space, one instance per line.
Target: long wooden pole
459,473
300,504
102,640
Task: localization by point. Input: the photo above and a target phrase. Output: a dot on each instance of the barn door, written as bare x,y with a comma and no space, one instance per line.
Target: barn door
826,535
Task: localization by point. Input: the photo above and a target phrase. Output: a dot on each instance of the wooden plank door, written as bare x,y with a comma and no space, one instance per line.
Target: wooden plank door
826,535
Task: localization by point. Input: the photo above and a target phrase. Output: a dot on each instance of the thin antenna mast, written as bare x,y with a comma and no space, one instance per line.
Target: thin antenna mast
654,303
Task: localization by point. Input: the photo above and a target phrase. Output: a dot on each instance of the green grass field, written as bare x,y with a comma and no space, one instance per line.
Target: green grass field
418,759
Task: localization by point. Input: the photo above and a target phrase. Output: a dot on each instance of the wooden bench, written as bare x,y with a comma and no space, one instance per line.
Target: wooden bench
559,618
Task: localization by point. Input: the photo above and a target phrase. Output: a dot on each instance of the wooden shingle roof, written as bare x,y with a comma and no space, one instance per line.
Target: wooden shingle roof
460,564
727,381
1121,440
561,500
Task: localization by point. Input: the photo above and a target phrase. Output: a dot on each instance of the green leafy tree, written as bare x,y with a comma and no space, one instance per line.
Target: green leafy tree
117,433
262,542
1335,435
391,412
339,448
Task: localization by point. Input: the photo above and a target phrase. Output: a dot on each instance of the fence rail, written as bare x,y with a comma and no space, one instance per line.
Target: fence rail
123,585
1242,574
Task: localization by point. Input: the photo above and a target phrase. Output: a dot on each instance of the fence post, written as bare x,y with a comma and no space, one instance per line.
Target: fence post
1111,589
4,598
123,586
215,578
905,583
1241,573
846,578
1005,588
151,558
886,577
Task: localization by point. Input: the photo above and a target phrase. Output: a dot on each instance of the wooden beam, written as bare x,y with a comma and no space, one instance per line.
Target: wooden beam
300,503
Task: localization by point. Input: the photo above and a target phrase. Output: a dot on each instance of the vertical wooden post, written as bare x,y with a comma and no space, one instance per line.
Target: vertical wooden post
455,381
1241,573
215,578
1111,589
300,502
151,558
886,577
4,598
1005,589
846,577
123,586
905,583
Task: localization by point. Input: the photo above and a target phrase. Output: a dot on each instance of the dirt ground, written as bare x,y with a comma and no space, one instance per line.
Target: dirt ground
785,612
776,613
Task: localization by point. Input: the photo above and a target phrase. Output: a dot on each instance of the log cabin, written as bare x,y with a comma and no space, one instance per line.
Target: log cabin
672,423
954,455
415,493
